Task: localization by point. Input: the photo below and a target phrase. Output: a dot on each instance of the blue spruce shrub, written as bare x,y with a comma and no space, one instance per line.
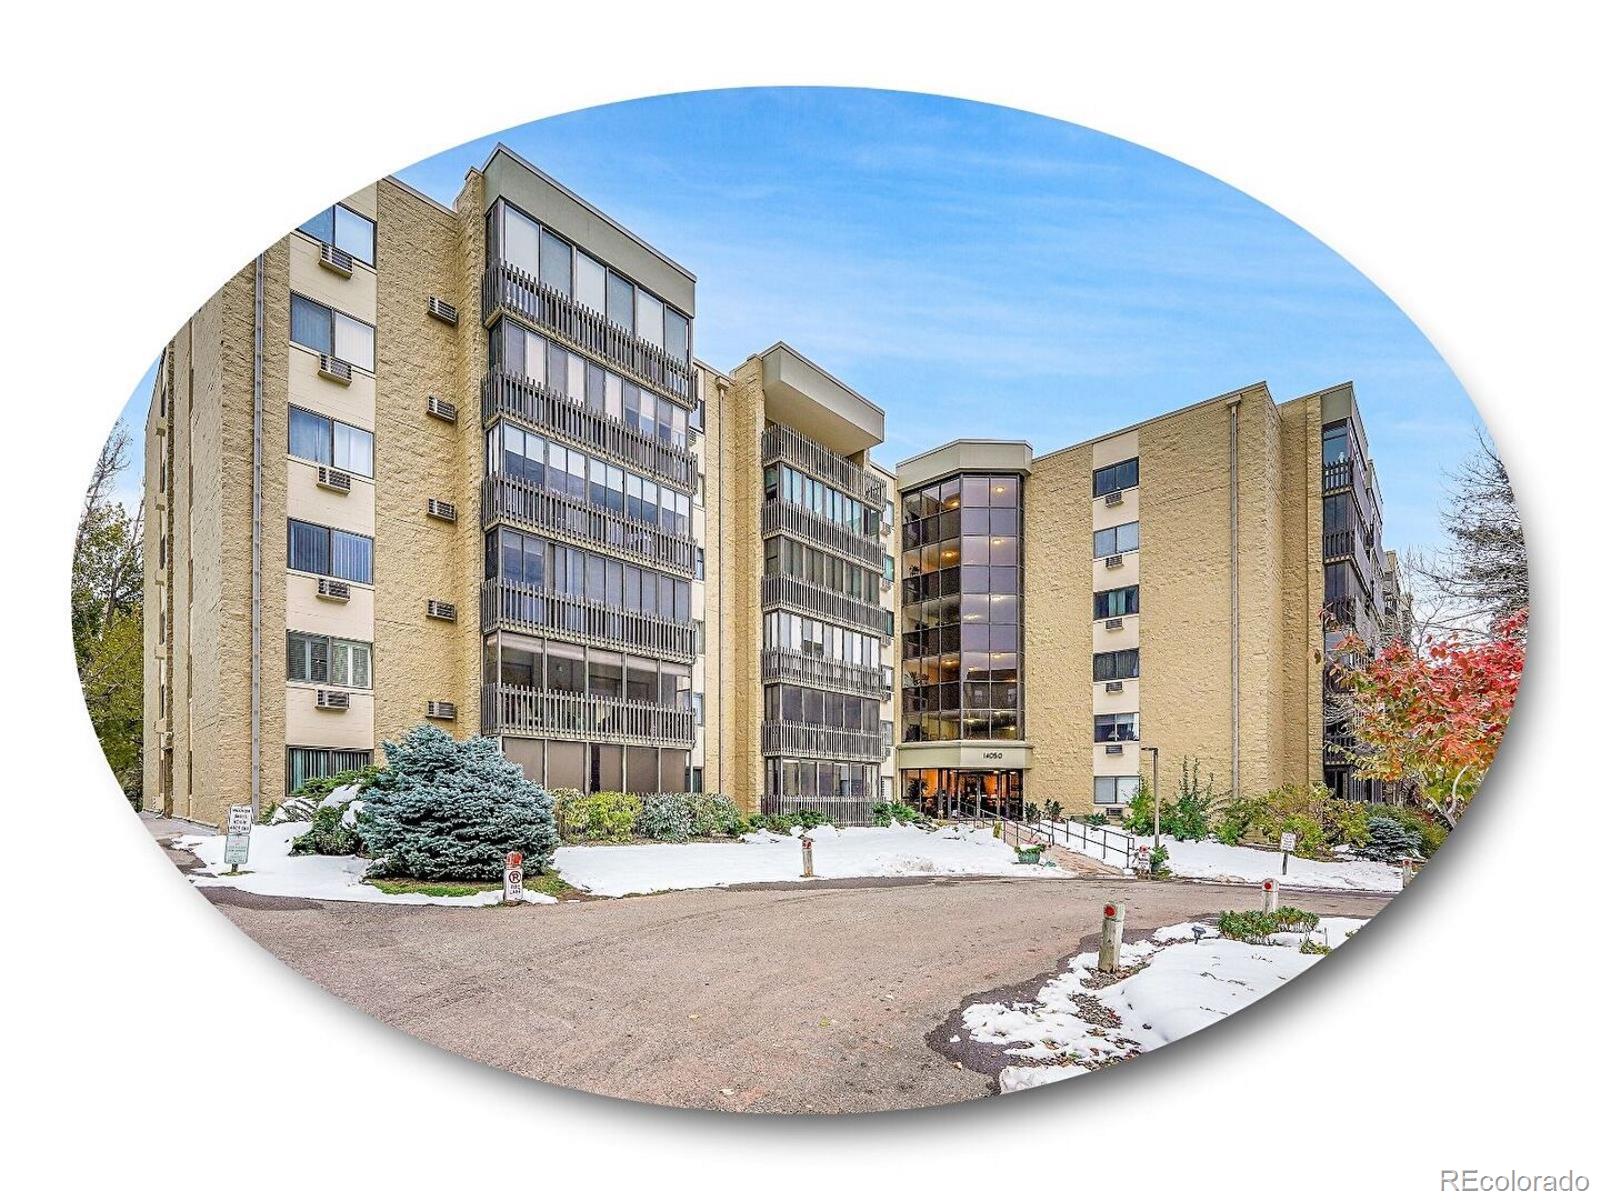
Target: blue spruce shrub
443,809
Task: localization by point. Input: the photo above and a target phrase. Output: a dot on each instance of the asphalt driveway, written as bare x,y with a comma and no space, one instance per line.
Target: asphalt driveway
824,997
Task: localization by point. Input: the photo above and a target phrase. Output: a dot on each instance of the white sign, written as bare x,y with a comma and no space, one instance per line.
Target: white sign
1286,842
236,850
512,893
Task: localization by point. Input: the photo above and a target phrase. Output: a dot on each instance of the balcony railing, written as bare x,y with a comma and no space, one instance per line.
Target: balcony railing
779,443
780,591
786,666
544,408
519,710
780,516
840,810
1341,543
817,741
541,611
508,499
1337,475
509,288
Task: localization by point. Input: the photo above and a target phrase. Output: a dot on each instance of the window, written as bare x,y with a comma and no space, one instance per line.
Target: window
347,229
888,567
1118,602
619,301
555,263
697,704
650,318
329,442
1115,789
1117,477
1116,664
1116,727
1119,539
589,282
1335,443
519,240
328,331
699,562
314,762
314,658
334,552
678,336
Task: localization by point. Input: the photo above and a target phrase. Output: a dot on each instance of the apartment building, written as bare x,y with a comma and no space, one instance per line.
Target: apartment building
459,465
1073,621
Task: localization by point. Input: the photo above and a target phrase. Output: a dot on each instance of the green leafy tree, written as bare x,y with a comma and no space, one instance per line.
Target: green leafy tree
108,616
443,809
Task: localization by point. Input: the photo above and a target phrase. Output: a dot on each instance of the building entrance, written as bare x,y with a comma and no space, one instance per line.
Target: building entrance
948,792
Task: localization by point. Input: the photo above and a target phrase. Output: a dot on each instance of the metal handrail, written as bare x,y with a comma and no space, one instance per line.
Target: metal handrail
541,406
542,611
779,443
789,666
791,737
509,287
522,710
784,591
511,499
784,516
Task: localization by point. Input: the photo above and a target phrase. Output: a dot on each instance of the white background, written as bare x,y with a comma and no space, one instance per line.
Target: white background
1448,151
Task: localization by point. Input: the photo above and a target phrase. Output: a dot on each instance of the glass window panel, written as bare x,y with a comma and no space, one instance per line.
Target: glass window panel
1003,521
564,667
354,234
1105,542
308,547
605,673
320,226
975,550
519,242
555,262
589,282
1003,551
619,300
677,326
310,324
649,318
352,556
352,449
354,341
310,436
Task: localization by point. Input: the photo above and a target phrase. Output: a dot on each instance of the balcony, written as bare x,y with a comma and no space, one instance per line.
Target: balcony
780,591
782,444
540,611
509,289
787,666
545,409
816,741
840,810
1341,543
523,503
1337,475
532,712
780,516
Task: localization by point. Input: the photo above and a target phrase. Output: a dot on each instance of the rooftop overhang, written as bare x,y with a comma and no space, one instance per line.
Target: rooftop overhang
808,400
971,455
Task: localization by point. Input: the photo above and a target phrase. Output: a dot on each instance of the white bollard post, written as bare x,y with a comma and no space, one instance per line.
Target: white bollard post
1269,895
805,856
1111,937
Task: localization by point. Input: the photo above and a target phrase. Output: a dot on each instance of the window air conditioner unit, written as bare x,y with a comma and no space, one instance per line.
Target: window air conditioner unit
332,700
441,510
441,710
1113,747
1113,622
441,610
333,479
442,409
338,261
1114,685
333,368
1113,499
333,589
1113,561
443,310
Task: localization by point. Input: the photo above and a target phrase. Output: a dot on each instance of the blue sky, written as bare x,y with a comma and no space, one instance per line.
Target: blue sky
980,271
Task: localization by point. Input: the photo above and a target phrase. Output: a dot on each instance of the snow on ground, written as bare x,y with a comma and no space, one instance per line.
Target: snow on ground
850,853
1234,864
1185,985
273,871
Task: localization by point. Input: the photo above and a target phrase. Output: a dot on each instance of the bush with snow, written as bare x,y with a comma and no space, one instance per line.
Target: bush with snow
666,817
442,809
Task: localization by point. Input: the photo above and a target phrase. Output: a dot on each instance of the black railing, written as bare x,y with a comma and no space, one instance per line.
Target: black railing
506,287
535,712
781,516
820,741
1337,475
1341,543
539,610
779,443
787,666
544,408
509,499
780,591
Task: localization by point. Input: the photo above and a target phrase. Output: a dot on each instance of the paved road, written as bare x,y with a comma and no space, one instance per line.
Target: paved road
771,998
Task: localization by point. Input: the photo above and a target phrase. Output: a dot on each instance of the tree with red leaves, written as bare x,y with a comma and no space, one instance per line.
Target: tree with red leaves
1433,715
